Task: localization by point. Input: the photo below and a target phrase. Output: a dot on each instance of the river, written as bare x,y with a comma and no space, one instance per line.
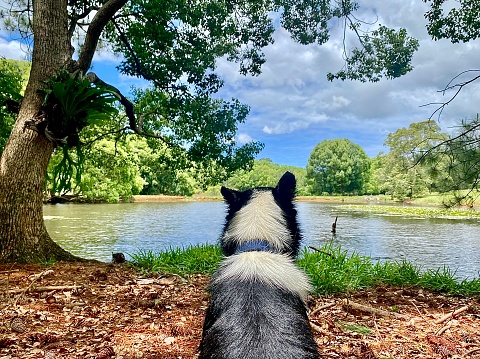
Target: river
96,230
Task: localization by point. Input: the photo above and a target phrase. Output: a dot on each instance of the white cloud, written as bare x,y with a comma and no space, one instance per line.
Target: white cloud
244,138
13,49
339,102
289,126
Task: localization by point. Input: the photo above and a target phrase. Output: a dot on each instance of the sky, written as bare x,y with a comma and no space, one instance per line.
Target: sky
293,107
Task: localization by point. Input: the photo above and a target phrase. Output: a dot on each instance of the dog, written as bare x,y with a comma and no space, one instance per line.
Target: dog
257,307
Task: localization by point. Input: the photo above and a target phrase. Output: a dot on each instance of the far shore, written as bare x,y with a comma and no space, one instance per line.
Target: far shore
200,198
167,198
323,199
378,199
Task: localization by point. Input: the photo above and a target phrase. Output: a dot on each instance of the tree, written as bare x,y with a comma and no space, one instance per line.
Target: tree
403,171
455,161
164,171
408,145
111,171
116,167
463,152
337,166
372,184
172,44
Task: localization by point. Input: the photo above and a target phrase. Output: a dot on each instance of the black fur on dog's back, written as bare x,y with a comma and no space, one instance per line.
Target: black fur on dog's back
257,308
251,320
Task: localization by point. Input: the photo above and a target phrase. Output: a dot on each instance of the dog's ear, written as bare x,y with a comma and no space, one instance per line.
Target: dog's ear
286,187
229,195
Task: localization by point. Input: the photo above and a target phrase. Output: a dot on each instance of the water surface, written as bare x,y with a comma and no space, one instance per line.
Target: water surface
96,230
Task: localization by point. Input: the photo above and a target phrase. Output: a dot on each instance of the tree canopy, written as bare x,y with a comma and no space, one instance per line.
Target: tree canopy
337,166
460,22
456,161
404,172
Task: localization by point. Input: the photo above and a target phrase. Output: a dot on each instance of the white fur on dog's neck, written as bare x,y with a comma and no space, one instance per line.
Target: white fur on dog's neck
261,219
273,269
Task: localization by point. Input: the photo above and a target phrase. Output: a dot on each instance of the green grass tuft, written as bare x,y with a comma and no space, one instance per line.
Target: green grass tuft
332,270
196,259
360,329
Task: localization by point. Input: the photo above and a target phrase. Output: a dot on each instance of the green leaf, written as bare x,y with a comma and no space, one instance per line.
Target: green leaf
384,53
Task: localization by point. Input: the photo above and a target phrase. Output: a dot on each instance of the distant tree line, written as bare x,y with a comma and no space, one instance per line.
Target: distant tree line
265,173
420,160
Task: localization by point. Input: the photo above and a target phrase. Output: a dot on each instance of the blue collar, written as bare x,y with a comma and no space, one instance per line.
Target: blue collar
256,245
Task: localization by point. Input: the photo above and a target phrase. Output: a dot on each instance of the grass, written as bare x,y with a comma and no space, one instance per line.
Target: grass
332,270
197,259
427,212
448,197
360,329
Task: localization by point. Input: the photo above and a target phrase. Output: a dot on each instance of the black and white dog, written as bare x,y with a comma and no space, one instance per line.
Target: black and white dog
257,308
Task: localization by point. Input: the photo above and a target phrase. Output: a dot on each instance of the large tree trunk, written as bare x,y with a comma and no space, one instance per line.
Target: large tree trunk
23,165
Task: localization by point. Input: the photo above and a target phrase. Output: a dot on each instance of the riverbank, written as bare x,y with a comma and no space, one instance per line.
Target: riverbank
422,207
99,310
167,198
432,200
322,199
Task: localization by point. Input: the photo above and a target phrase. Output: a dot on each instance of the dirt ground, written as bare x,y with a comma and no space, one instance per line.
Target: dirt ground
98,310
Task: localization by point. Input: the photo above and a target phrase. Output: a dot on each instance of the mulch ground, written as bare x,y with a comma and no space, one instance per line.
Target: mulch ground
98,310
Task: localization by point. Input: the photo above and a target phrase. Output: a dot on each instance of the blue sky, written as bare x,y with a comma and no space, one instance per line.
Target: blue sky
294,107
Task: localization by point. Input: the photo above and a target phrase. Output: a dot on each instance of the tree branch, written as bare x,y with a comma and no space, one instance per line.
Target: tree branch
443,143
138,65
105,134
354,28
135,125
100,20
75,17
459,87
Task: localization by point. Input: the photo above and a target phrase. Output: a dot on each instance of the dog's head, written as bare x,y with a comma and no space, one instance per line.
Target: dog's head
262,218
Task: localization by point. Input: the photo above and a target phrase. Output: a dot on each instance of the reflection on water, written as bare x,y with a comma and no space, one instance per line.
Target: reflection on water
95,231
